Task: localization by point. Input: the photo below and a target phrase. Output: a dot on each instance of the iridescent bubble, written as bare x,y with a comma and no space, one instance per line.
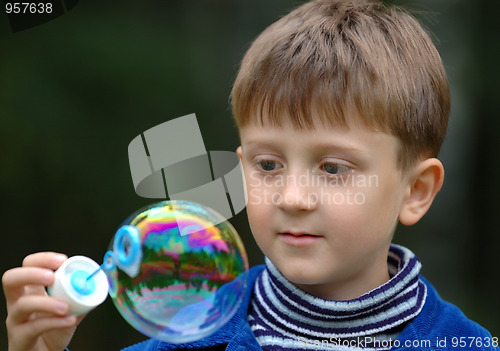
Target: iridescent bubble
177,271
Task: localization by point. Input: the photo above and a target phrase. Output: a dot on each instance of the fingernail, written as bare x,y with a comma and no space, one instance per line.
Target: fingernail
62,307
61,257
69,320
48,277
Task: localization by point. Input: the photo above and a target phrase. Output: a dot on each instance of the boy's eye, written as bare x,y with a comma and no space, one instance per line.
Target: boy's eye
335,168
269,165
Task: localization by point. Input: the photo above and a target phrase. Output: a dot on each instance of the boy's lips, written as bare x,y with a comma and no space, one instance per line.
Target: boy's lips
299,238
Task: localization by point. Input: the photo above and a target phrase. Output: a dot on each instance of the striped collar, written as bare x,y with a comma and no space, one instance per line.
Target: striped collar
282,315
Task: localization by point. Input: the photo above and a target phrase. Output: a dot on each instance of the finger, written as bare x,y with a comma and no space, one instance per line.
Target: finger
50,260
15,280
27,305
40,326
27,334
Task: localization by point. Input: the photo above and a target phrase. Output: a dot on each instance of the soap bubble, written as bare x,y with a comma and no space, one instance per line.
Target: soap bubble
177,271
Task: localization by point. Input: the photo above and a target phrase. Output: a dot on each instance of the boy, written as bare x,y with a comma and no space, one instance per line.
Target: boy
341,107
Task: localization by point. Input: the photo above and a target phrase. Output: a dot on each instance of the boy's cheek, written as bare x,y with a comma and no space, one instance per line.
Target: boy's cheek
254,197
262,196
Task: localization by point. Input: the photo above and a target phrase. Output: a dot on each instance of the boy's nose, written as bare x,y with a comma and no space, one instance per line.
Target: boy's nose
296,196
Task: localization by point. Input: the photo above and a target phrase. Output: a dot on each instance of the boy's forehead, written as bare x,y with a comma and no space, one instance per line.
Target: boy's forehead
317,123
356,138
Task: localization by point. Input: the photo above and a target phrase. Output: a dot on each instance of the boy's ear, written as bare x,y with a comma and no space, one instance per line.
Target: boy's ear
425,181
238,151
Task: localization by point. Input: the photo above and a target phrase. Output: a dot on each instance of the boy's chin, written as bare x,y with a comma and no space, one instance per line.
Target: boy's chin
301,276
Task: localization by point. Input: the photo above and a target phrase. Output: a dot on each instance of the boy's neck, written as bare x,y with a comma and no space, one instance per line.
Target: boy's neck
345,291
356,286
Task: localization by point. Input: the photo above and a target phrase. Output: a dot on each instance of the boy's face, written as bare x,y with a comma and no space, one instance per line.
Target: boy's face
323,204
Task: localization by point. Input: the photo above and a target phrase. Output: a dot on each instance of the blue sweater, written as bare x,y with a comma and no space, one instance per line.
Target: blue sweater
439,326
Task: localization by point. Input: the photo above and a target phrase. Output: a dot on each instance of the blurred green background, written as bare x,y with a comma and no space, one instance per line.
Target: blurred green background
76,90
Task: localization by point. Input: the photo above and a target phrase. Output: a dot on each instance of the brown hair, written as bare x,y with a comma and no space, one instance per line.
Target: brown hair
343,59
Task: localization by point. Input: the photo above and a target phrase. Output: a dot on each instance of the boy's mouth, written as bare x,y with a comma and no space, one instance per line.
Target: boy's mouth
299,238
301,234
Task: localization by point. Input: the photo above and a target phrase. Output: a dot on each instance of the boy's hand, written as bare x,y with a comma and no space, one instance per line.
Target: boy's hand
36,321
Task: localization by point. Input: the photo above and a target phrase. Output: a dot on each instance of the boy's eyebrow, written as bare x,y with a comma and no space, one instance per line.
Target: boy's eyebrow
316,145
342,146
